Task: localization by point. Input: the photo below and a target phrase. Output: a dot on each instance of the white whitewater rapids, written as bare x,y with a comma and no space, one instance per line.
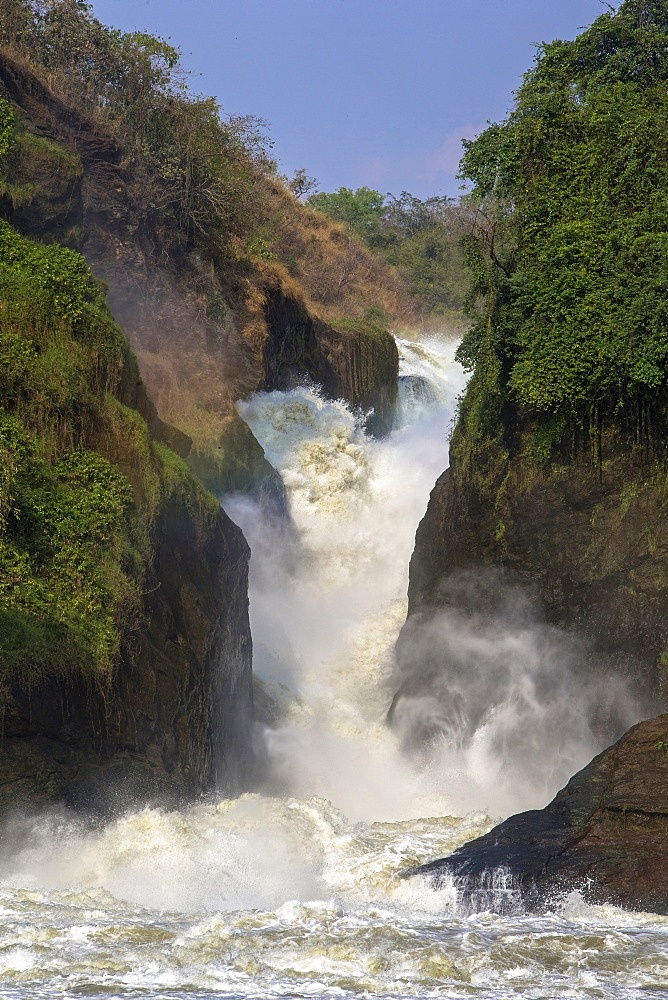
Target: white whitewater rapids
295,892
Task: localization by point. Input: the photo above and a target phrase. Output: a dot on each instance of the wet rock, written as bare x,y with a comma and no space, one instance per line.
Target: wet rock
351,359
239,465
588,541
177,718
604,834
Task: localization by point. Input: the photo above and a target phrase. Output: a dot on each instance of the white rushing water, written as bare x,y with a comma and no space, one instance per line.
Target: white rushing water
295,891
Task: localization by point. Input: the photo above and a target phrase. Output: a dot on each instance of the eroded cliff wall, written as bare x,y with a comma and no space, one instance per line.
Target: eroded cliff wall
125,648
583,535
206,331
174,716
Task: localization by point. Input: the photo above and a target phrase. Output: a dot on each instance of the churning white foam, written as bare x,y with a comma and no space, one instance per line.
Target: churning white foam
324,622
327,607
255,852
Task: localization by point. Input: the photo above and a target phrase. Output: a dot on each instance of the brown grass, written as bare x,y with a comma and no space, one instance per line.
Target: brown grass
338,274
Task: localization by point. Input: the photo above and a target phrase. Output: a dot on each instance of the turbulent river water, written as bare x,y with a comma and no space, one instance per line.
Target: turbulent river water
294,891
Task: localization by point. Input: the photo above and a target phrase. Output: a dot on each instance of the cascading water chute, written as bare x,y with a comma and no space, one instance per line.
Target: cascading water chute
471,701
325,620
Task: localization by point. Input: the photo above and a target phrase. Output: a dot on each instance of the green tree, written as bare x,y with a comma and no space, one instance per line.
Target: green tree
569,247
362,210
423,238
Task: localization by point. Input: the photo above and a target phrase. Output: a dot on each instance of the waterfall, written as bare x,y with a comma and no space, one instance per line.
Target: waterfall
327,600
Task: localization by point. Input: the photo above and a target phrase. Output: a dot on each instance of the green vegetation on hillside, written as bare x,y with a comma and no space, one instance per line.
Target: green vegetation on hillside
420,238
39,183
75,532
199,182
570,246
7,125
62,534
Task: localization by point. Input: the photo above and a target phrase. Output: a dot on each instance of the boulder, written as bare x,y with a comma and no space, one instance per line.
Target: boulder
605,834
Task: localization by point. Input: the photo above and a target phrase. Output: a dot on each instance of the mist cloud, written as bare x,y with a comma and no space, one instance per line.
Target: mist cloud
510,704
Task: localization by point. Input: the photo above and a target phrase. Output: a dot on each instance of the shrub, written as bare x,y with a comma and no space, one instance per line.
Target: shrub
76,533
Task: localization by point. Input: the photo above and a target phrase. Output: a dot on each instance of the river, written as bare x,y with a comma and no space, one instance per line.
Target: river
295,890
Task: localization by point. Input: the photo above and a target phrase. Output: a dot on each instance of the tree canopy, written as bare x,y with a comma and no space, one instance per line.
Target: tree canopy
421,237
570,246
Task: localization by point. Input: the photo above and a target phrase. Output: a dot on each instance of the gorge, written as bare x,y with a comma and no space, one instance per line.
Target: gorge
244,750
297,886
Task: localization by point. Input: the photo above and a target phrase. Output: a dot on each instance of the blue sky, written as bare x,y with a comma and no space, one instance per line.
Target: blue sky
360,92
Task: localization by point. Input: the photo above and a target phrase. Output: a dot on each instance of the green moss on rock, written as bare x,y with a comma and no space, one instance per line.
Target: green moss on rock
82,482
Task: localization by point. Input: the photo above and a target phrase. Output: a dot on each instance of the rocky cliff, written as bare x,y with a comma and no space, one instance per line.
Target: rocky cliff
125,648
175,720
206,330
584,534
154,698
350,359
557,471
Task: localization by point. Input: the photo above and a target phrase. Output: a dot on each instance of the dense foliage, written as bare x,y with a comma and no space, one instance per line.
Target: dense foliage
75,534
62,533
7,122
421,238
570,246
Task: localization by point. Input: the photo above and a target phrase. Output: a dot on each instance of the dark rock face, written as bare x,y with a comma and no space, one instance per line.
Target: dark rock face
58,204
348,364
588,540
605,833
177,719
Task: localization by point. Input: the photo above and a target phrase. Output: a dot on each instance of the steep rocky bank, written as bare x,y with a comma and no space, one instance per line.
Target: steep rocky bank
125,648
584,535
557,478
175,720
604,835
579,539
206,333
352,360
